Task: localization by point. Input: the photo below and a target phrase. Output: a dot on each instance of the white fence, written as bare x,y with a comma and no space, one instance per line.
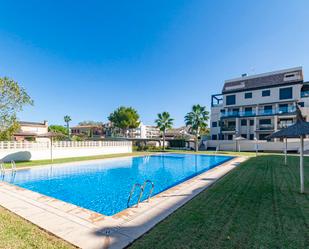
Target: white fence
24,151
250,145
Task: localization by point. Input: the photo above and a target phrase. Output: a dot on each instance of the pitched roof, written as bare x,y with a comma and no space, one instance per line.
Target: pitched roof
26,123
271,79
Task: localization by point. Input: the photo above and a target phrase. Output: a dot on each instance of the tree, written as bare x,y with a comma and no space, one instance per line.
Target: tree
196,120
164,122
90,122
12,100
58,129
67,120
124,118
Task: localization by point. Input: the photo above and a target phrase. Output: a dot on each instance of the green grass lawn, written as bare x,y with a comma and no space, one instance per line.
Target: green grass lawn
257,205
16,232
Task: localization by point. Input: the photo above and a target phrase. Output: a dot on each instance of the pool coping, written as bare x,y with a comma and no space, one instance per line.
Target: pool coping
87,229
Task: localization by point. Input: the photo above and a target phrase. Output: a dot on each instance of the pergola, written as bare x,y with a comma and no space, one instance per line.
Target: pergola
298,130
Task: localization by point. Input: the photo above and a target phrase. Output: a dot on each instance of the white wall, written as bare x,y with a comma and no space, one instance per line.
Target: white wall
249,145
18,151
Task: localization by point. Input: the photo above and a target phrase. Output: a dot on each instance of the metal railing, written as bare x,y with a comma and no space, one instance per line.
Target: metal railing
304,94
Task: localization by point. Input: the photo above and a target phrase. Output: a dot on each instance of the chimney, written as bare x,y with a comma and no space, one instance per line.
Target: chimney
244,75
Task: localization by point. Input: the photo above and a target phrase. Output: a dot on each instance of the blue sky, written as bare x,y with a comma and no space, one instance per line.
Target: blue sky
86,58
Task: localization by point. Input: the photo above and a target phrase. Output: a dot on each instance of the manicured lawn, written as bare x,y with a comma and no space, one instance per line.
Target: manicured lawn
257,205
17,233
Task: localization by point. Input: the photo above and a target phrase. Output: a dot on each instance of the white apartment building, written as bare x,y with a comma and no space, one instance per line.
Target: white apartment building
256,106
145,131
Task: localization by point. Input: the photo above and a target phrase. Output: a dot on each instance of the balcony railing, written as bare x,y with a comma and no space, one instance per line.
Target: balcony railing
238,114
261,112
266,112
265,127
228,128
304,94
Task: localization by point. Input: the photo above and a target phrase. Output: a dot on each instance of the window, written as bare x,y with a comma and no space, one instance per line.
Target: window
231,123
244,135
230,137
268,109
251,122
286,93
301,104
265,122
251,137
214,124
265,93
214,137
283,108
248,95
243,122
248,111
264,136
230,100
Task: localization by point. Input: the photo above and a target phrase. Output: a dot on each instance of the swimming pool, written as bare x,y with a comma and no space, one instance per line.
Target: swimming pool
104,186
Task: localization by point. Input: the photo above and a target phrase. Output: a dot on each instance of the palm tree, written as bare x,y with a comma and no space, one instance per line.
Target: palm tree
164,122
196,120
67,120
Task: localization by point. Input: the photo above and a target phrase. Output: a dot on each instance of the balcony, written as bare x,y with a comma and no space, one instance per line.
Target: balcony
238,114
265,127
284,110
266,112
261,112
304,94
228,128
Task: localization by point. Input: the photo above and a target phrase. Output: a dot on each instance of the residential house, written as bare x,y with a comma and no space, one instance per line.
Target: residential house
30,131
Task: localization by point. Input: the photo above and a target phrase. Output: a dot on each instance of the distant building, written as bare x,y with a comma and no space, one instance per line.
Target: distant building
93,132
30,131
258,105
181,132
146,131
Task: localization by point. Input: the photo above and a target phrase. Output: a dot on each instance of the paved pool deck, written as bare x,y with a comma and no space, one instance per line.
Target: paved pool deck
87,229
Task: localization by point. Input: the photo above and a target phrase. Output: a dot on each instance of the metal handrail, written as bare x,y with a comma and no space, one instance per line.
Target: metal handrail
151,190
13,165
2,168
132,191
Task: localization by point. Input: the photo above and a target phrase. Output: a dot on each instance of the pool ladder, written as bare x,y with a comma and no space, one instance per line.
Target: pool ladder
2,168
142,188
13,165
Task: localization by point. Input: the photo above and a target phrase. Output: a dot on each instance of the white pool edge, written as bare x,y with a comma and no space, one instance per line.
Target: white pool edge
88,229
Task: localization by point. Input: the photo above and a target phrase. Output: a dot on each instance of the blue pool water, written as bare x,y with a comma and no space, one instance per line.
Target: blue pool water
104,186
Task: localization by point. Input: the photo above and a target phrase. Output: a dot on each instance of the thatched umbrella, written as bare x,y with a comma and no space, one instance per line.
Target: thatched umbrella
51,135
298,130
